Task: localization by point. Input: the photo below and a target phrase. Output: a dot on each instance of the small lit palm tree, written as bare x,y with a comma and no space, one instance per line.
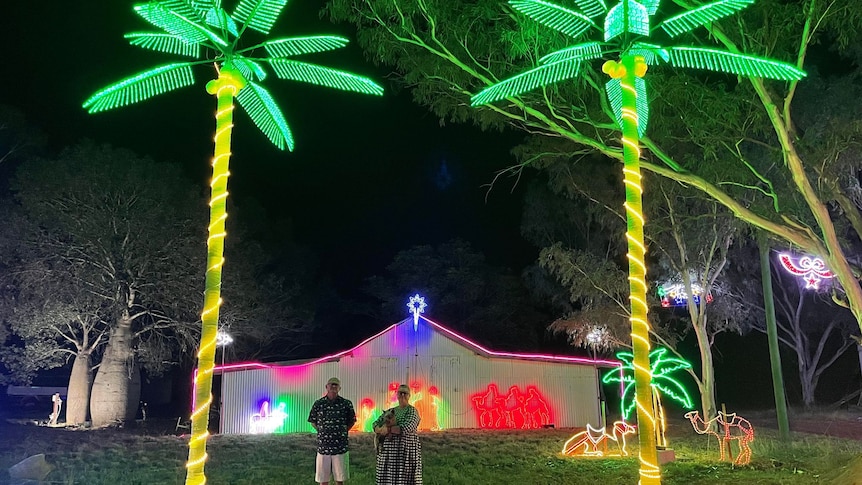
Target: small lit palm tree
626,27
663,382
202,31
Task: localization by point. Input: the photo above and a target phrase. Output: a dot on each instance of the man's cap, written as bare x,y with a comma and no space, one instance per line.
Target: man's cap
404,388
333,380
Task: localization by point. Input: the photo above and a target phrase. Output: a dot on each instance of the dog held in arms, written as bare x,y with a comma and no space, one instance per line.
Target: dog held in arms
388,420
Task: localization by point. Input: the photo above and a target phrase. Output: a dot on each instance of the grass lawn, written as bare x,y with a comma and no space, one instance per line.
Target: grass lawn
147,456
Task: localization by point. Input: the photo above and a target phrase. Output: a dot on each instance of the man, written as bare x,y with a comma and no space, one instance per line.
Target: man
332,415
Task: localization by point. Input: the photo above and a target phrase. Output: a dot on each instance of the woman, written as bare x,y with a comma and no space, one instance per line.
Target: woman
400,460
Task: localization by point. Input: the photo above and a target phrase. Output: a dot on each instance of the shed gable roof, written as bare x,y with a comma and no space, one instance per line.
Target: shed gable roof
440,329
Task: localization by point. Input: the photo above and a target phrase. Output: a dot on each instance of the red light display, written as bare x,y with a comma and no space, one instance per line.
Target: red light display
515,409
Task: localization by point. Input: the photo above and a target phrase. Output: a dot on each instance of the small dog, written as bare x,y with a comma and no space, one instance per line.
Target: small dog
388,420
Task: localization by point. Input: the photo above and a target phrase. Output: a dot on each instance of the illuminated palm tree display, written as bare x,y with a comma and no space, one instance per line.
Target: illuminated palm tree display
627,34
663,383
202,33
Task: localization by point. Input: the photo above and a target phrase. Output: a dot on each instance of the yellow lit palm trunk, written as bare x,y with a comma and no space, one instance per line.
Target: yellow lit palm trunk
224,88
649,470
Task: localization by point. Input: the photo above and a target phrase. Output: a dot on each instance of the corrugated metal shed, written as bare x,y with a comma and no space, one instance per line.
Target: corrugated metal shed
456,384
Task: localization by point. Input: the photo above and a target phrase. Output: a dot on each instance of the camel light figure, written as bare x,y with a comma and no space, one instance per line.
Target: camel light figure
589,441
733,427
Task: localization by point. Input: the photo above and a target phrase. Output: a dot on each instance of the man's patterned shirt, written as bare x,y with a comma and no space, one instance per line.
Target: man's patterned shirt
333,417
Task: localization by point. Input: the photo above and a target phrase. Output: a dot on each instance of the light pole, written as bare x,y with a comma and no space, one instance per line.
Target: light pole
596,338
223,339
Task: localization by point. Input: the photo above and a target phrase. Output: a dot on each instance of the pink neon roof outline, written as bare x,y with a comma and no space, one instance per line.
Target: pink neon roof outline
448,333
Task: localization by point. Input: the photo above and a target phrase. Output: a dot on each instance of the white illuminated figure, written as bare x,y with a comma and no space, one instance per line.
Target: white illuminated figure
811,270
266,422
416,305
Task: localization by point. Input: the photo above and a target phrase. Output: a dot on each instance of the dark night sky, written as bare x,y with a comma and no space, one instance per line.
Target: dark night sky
362,183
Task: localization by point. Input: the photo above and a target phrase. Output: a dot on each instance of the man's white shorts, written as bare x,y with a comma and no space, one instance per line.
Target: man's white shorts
328,466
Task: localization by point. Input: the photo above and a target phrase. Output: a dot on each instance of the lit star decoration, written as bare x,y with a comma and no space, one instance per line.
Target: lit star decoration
624,31
416,305
675,295
203,31
811,270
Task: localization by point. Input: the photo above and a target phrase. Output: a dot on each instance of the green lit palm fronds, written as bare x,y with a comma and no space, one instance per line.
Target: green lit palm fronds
181,23
651,53
188,9
249,69
687,21
627,16
585,51
558,18
261,107
220,19
592,8
167,43
614,90
527,81
323,76
651,6
295,46
141,86
631,17
723,61
259,15
205,5
662,369
190,27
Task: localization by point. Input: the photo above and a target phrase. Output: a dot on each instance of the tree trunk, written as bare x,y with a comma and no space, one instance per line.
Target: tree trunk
649,472
707,371
772,338
807,383
117,387
80,383
228,84
859,353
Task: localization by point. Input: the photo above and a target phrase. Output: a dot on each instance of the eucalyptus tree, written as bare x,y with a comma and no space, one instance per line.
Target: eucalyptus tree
627,33
202,30
689,237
